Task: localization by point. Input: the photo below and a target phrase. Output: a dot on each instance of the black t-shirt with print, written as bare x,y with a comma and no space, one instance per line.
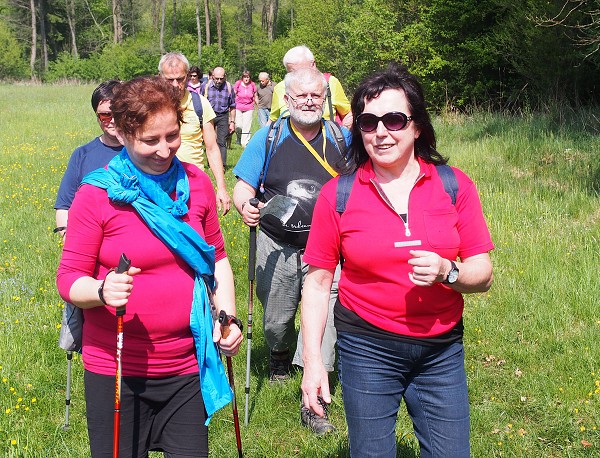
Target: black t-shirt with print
294,172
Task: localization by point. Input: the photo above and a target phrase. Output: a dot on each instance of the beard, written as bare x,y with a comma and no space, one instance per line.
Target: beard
306,116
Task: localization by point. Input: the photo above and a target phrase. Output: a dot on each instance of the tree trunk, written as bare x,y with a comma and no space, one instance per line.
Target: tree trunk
117,21
174,27
271,19
43,35
70,9
162,25
219,24
246,35
207,22
199,31
33,39
155,14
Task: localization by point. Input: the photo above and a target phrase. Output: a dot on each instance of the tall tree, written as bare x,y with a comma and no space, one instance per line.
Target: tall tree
269,18
70,10
174,28
43,35
163,13
33,39
219,24
117,21
207,22
199,30
245,37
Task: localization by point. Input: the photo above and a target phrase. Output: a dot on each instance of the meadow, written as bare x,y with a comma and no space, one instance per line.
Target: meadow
532,342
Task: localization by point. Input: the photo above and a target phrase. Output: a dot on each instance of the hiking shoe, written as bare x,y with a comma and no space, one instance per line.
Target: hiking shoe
318,425
280,367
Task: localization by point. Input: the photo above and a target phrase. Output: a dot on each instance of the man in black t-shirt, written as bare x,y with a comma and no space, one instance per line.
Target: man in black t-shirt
303,157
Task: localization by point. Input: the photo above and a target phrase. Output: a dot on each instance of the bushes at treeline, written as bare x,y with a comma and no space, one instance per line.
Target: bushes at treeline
490,53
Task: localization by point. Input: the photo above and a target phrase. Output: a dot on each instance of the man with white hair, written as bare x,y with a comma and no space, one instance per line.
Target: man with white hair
304,155
336,106
196,132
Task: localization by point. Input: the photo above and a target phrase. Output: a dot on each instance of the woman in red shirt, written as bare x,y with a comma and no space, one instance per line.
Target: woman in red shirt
245,95
409,253
161,213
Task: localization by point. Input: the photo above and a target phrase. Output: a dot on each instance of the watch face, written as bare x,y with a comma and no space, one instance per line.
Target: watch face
453,275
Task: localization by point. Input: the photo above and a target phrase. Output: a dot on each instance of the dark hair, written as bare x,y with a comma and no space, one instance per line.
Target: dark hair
195,69
104,91
134,101
395,76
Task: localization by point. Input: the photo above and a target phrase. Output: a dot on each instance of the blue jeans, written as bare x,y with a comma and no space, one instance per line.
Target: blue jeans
377,373
263,116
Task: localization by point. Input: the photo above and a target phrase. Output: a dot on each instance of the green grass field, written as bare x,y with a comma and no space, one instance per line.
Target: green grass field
532,341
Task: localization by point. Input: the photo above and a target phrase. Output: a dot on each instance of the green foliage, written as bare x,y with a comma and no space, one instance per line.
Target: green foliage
370,47
468,53
12,62
137,56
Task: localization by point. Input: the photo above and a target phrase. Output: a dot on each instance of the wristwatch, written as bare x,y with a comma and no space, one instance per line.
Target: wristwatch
452,275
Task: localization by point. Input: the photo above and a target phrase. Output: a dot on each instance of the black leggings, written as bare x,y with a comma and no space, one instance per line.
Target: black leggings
164,414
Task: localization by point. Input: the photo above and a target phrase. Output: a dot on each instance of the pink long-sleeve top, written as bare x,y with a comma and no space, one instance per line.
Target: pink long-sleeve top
157,337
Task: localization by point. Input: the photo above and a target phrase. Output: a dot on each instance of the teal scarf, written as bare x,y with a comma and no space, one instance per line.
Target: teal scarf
150,196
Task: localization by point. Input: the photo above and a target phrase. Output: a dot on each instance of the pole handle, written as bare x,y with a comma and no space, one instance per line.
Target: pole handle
252,245
124,264
224,324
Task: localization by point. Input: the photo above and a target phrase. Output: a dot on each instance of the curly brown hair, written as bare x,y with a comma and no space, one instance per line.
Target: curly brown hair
136,100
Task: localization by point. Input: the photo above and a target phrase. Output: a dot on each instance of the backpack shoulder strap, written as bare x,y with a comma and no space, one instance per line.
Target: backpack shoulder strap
273,136
342,192
328,97
340,140
449,179
197,106
206,89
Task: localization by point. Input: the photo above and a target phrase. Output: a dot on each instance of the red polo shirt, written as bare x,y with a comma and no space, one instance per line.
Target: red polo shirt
375,245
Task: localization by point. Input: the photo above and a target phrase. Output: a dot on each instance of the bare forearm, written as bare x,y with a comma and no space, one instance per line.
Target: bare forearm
315,307
224,294
475,275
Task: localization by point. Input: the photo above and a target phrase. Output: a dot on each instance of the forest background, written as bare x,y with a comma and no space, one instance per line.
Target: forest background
496,54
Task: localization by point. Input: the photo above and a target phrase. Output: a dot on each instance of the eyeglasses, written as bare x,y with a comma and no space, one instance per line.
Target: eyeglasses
395,120
216,78
303,100
193,75
180,80
105,117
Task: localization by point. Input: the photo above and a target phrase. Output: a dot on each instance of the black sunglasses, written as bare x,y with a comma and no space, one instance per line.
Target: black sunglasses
395,120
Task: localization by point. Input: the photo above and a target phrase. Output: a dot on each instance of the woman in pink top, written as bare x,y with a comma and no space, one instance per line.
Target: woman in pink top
409,254
245,95
139,205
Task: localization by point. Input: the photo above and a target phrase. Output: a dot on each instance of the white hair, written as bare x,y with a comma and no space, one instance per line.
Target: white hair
298,54
303,76
170,59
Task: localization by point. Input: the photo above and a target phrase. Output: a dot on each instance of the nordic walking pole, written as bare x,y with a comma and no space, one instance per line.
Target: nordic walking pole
251,274
124,264
225,322
68,390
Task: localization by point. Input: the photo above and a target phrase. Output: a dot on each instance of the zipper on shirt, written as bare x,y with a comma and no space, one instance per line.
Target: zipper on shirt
407,232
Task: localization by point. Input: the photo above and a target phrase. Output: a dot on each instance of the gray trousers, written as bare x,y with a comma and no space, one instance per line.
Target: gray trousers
280,274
